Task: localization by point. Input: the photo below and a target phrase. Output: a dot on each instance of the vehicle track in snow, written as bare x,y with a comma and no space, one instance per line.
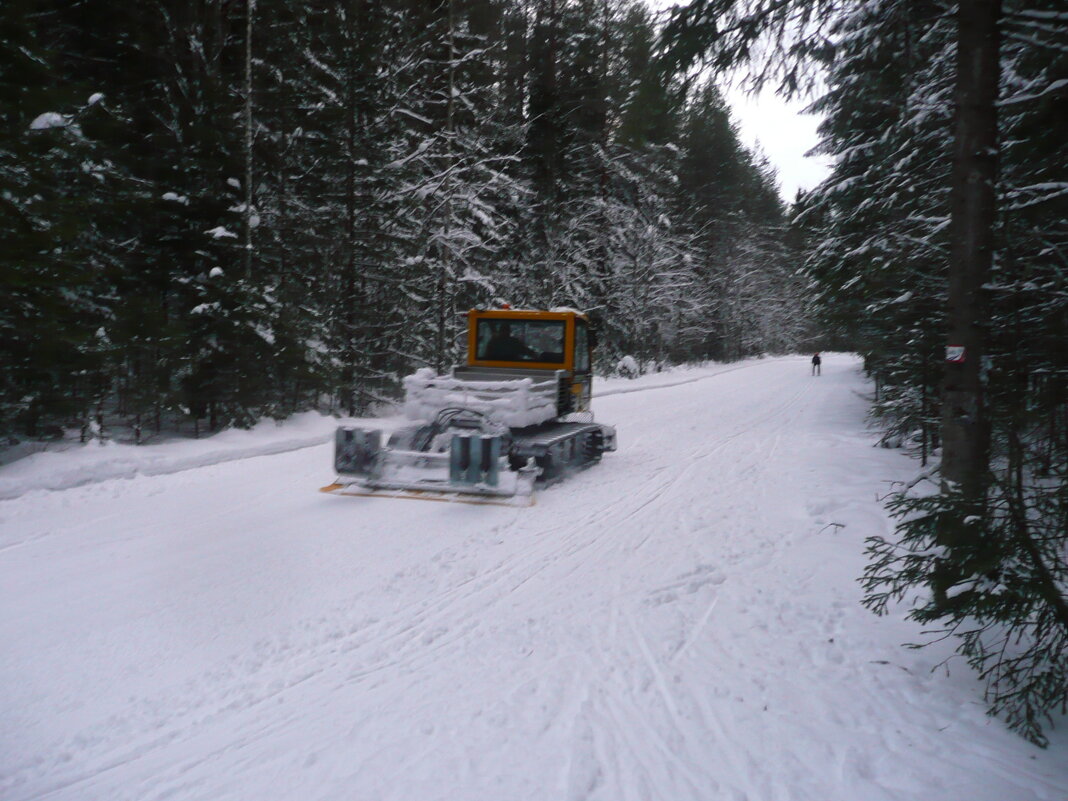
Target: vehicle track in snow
662,491
419,637
523,568
421,633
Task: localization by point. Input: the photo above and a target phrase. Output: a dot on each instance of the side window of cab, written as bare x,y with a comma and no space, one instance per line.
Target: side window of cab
582,347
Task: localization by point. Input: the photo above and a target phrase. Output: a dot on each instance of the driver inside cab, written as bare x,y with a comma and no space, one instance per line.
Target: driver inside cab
505,346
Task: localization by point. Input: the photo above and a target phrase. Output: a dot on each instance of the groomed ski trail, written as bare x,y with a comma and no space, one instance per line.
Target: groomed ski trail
678,622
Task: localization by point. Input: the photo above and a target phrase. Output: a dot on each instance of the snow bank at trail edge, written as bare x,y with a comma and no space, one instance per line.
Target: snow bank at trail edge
102,461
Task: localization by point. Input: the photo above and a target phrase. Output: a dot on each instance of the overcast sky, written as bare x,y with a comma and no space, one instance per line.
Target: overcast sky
782,132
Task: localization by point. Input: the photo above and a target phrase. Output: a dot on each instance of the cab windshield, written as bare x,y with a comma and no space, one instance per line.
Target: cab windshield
520,341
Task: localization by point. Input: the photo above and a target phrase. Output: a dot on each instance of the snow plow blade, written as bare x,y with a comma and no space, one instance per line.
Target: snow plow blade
356,491
472,469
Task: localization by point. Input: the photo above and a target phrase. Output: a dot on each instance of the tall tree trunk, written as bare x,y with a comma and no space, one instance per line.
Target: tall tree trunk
348,349
250,10
444,246
965,428
544,107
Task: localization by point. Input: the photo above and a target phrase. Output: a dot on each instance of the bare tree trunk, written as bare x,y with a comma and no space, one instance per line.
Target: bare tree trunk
250,10
348,349
965,427
444,247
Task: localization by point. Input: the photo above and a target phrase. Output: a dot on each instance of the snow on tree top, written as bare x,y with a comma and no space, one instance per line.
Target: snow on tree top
220,232
50,119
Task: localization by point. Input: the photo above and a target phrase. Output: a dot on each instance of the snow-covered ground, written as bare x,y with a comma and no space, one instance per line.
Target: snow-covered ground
679,622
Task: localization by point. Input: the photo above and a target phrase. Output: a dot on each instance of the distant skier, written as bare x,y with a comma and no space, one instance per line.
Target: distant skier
816,362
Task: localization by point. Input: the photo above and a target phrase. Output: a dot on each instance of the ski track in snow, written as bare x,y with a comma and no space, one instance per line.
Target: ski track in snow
679,622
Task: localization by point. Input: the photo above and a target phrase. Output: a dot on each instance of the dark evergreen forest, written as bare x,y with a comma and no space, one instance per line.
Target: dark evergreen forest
216,211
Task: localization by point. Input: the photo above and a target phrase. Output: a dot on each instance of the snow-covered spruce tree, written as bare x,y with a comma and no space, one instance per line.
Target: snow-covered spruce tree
708,187
558,151
180,320
102,252
618,253
218,358
565,122
988,543
649,283
570,252
1029,353
344,154
1004,592
893,327
762,294
459,142
879,221
1027,383
54,196
297,91
286,259
589,84
728,207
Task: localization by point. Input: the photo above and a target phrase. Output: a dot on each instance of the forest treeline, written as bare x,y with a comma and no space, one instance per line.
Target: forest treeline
214,211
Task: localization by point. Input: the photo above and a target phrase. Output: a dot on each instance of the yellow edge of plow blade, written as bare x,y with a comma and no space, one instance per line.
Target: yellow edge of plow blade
420,495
